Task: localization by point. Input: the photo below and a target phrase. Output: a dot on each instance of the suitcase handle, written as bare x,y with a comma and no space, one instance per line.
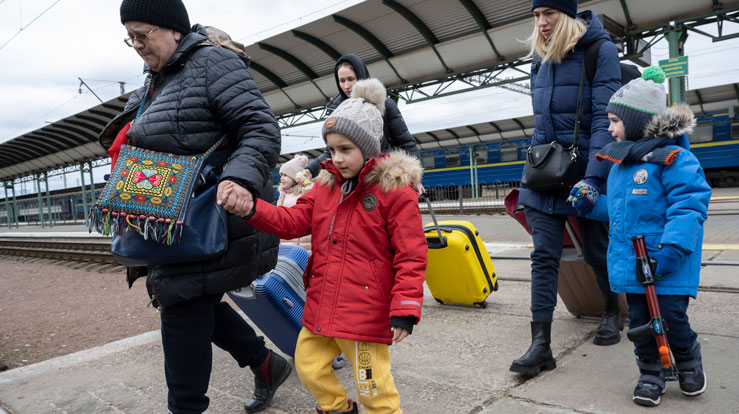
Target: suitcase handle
442,240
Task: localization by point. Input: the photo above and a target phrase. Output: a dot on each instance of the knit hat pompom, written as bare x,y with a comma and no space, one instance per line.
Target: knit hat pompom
360,118
654,74
372,91
294,166
638,101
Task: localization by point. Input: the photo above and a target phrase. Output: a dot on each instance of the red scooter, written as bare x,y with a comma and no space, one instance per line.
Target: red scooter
656,326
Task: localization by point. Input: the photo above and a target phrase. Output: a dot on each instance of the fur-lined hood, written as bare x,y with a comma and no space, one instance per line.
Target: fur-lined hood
672,122
390,171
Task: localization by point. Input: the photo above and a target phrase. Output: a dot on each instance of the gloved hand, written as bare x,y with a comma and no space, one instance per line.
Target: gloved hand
668,260
584,194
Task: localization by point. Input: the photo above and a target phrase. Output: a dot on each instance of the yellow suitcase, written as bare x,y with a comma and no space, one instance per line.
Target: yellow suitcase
459,269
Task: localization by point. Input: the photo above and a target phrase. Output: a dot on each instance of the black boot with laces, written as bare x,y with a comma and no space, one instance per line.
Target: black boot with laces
267,378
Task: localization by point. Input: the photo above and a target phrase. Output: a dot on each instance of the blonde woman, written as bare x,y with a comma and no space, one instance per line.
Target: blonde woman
558,45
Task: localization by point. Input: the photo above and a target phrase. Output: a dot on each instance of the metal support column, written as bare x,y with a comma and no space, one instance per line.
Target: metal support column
7,203
48,200
92,186
84,193
15,205
41,218
676,39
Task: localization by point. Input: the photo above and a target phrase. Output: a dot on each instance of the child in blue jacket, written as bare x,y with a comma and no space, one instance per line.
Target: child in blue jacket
656,188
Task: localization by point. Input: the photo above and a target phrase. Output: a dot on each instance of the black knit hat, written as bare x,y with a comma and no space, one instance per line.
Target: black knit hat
171,14
568,7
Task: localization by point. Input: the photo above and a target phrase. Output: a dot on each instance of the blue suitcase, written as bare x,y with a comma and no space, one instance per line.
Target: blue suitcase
275,301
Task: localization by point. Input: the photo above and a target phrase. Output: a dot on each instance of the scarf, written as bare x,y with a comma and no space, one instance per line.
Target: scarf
645,150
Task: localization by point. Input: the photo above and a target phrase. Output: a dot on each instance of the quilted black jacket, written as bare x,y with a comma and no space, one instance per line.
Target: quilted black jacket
200,95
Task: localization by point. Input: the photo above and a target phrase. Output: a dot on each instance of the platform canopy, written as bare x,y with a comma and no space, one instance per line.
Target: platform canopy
69,141
408,44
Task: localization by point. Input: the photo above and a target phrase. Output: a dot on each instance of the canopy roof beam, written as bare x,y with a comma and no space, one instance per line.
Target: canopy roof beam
320,44
420,26
268,74
476,14
371,39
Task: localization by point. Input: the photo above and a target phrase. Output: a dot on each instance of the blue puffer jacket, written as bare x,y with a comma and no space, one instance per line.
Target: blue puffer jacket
555,88
677,197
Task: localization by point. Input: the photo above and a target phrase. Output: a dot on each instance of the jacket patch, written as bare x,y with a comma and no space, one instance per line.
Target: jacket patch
640,191
641,176
369,202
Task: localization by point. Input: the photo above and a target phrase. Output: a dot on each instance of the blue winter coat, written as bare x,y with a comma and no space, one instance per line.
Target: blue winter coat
555,88
666,203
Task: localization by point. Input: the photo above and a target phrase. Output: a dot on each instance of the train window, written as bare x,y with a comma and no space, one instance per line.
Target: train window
452,158
508,153
703,133
735,130
428,161
482,155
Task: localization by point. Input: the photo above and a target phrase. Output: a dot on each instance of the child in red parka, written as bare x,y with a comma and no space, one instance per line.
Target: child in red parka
365,276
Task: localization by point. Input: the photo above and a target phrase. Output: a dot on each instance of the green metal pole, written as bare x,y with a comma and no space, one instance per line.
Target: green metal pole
15,206
84,192
676,39
92,185
40,202
48,199
7,202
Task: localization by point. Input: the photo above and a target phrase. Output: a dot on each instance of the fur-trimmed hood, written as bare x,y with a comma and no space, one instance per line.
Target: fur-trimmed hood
390,171
672,122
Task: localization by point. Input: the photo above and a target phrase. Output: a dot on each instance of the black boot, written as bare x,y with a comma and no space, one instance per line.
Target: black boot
539,356
651,384
611,325
267,377
690,375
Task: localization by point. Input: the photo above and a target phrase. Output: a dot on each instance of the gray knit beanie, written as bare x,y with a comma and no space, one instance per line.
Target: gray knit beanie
170,14
359,118
638,101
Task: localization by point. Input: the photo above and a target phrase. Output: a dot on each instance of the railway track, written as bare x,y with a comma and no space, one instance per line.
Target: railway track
72,249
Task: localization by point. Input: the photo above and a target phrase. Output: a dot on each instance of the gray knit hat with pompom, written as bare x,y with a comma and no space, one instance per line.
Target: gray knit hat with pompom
359,118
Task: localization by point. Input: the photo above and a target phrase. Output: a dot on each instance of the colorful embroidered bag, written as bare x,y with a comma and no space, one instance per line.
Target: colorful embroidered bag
160,208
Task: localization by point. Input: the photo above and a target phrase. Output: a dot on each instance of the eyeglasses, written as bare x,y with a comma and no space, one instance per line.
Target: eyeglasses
141,37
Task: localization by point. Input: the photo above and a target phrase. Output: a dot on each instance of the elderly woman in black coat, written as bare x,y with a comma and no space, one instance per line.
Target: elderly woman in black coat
194,95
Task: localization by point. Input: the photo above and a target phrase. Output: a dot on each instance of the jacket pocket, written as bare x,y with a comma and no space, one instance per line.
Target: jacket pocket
378,273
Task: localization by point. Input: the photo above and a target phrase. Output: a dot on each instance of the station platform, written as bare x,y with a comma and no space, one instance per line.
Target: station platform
456,361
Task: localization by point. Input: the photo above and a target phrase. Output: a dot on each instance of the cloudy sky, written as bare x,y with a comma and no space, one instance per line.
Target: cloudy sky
46,45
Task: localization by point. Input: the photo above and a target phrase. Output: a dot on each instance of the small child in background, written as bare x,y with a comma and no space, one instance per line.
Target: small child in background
656,188
365,277
293,184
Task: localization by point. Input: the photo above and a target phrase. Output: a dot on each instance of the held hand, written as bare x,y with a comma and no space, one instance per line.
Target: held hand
668,260
234,198
583,196
399,334
420,190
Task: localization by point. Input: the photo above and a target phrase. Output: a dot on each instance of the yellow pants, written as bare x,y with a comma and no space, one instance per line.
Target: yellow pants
371,364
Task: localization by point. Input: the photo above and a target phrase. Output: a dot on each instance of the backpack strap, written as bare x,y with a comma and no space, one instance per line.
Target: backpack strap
591,58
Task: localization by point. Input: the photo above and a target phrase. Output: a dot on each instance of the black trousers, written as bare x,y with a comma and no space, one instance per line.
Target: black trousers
188,328
674,311
547,231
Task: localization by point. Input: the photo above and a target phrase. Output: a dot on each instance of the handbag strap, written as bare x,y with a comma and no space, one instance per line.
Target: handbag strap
149,88
580,106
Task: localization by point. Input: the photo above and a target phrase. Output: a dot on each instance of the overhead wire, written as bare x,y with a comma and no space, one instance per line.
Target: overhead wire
29,23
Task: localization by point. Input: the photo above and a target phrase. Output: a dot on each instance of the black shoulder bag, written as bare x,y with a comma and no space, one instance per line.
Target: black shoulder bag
551,167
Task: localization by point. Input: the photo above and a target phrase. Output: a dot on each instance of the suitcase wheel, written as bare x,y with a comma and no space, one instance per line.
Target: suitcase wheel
441,302
495,286
482,304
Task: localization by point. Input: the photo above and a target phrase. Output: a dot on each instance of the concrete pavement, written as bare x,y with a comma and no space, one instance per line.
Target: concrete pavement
456,361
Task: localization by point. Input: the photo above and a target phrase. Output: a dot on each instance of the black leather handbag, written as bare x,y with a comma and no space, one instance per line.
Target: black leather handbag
551,167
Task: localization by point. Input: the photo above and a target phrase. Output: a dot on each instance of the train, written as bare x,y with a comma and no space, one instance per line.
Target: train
715,142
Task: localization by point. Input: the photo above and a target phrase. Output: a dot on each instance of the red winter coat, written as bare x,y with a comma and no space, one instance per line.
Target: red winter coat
369,249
